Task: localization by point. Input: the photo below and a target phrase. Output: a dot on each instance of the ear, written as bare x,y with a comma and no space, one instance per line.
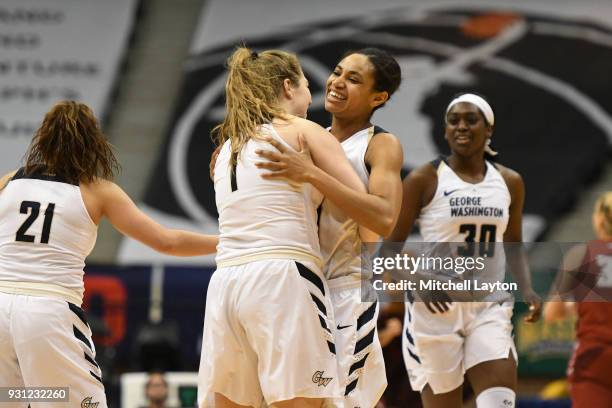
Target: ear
489,131
287,88
378,99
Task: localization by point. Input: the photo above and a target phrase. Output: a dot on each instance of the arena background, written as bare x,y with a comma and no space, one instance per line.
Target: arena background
153,70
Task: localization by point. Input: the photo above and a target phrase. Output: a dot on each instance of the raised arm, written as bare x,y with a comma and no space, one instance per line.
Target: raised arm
113,203
377,210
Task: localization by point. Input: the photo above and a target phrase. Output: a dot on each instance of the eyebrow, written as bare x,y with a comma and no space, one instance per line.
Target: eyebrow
349,72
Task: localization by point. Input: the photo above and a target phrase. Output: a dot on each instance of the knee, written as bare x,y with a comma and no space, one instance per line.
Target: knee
496,397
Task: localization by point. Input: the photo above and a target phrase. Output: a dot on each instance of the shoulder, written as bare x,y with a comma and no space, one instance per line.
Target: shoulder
304,124
387,147
423,174
6,178
512,178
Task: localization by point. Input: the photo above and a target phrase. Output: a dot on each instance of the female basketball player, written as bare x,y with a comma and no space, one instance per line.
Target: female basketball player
472,338
361,82
585,277
267,326
49,214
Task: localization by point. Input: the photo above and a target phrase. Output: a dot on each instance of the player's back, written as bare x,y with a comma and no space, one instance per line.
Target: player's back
261,218
45,235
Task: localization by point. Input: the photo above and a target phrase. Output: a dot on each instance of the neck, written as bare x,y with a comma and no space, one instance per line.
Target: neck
472,165
343,128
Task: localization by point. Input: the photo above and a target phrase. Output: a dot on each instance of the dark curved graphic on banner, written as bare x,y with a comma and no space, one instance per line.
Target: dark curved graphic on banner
546,78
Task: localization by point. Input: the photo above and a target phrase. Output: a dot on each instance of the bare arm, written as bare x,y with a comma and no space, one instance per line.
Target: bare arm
516,256
128,219
558,308
377,210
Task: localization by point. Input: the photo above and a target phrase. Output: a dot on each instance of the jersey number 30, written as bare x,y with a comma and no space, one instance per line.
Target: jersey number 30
486,246
33,208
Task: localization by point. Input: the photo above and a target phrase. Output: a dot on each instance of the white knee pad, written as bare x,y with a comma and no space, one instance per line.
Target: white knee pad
496,397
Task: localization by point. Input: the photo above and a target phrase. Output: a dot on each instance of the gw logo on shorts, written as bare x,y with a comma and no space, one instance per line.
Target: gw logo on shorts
321,381
86,403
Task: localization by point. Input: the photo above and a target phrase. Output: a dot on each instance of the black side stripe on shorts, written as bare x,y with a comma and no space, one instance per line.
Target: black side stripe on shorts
409,337
359,364
365,341
311,276
96,377
366,316
332,347
416,358
323,324
351,386
319,304
91,360
78,311
79,335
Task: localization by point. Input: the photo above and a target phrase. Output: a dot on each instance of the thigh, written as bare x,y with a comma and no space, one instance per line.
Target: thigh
228,363
54,347
589,394
285,310
10,373
489,336
360,360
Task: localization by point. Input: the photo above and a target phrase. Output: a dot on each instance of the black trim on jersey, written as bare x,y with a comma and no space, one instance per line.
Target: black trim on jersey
377,130
78,311
358,364
91,360
436,162
331,346
310,276
79,335
96,377
366,316
234,169
40,174
364,342
351,387
319,210
319,304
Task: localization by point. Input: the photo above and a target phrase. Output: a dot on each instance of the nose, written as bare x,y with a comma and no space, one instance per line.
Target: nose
462,125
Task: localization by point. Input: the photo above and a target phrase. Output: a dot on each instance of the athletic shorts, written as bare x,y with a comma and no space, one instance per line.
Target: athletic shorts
46,342
360,359
439,348
267,335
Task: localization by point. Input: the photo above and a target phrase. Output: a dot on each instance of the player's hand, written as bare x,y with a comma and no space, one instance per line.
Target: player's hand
535,306
213,161
436,301
286,163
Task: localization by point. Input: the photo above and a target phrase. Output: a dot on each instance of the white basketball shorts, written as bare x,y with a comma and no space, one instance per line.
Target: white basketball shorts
267,335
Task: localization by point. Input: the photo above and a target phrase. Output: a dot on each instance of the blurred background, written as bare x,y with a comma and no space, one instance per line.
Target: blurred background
153,71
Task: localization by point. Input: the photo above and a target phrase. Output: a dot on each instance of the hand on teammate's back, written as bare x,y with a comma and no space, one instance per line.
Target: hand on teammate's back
287,163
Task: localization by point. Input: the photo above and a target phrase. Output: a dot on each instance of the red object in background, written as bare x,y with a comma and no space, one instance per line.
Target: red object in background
114,298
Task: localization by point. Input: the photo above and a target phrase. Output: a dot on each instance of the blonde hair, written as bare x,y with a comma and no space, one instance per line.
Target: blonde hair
603,206
70,143
254,83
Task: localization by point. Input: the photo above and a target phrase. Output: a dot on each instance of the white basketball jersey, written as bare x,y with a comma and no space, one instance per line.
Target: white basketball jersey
45,235
339,234
461,211
261,218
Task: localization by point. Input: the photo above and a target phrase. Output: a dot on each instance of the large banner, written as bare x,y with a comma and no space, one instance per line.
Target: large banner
544,66
52,50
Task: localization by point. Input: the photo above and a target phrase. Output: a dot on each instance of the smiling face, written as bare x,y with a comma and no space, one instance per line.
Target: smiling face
466,129
351,88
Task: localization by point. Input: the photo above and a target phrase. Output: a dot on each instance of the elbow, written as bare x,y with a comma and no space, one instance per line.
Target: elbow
166,243
387,226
